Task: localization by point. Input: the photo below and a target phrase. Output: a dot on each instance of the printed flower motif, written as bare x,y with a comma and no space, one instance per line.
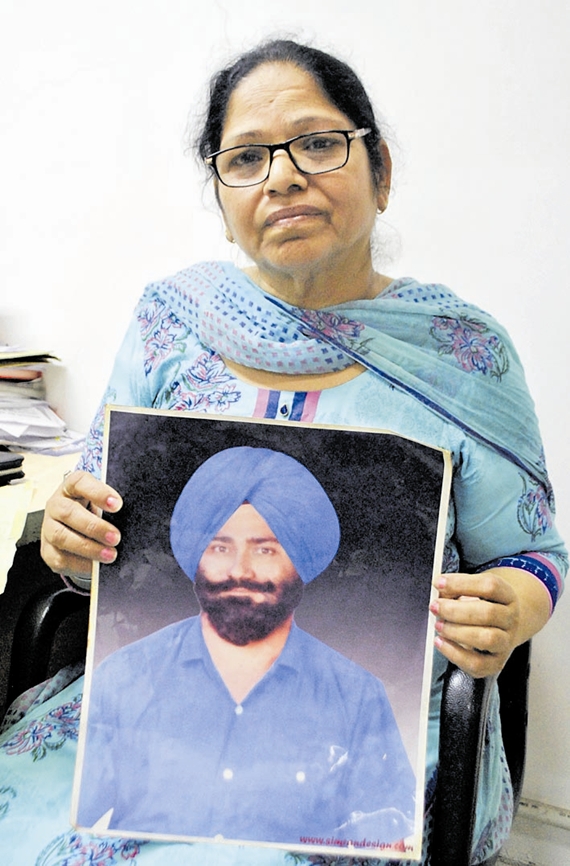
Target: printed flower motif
548,485
451,562
472,345
148,316
223,399
334,327
93,453
208,370
161,333
533,512
181,397
77,849
7,794
48,733
205,385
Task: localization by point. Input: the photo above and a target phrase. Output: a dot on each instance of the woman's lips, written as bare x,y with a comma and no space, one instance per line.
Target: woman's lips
288,214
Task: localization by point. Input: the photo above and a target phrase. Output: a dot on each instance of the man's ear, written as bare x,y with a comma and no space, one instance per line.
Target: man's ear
383,194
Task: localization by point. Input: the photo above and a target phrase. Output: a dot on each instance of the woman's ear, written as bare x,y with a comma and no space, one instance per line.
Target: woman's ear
383,193
227,232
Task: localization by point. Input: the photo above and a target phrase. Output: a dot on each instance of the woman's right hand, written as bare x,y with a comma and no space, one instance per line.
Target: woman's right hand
73,535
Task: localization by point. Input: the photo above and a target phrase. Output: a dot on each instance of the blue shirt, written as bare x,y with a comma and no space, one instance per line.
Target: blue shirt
312,752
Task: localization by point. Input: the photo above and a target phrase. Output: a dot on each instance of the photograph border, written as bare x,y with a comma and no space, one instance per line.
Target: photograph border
414,843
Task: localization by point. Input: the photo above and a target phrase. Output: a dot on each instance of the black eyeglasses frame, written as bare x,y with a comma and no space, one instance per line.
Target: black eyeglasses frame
349,134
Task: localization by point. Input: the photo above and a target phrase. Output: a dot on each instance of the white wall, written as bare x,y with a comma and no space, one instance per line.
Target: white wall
98,197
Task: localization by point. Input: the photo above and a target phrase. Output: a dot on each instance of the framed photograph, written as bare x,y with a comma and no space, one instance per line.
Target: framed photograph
259,659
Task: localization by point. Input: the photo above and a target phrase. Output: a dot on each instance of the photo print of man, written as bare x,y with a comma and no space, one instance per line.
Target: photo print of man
236,722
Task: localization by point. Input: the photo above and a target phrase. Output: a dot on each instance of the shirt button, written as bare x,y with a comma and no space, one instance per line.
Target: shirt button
228,774
300,776
238,710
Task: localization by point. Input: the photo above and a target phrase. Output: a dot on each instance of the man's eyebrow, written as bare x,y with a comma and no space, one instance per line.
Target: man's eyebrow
264,540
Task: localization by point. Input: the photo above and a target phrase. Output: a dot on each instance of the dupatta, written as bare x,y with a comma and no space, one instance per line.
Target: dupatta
423,339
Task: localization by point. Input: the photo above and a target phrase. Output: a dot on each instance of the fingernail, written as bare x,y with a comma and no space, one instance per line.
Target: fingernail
112,502
434,607
112,537
108,554
441,582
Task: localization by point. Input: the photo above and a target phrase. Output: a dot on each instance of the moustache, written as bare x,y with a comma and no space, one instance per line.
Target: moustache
215,588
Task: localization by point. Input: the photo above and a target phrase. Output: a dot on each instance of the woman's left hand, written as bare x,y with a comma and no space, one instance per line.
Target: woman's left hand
481,618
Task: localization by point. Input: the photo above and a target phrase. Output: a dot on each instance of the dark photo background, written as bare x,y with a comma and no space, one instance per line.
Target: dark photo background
371,604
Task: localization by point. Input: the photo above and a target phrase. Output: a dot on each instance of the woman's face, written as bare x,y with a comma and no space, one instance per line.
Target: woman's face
295,226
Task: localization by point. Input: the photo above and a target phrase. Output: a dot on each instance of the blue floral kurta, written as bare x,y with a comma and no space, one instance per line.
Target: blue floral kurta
500,513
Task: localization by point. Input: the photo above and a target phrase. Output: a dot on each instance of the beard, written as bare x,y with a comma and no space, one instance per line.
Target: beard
239,619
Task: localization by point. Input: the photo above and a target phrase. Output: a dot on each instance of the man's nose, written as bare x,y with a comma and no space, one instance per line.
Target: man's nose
241,564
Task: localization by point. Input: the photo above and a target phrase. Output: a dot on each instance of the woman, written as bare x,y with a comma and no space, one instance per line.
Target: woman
310,331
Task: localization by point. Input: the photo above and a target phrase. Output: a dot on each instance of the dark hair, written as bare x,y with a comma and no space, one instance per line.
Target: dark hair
337,80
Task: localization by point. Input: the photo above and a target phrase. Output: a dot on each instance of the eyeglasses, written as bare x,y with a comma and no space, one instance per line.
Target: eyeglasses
313,153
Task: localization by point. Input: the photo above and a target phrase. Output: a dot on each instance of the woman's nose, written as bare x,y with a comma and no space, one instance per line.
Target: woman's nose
284,174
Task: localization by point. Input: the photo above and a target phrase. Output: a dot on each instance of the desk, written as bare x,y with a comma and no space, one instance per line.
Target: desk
22,503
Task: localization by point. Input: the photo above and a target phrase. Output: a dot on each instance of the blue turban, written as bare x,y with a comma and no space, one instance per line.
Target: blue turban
282,490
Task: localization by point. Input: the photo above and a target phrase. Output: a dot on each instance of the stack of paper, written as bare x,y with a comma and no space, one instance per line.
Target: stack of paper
27,422
10,467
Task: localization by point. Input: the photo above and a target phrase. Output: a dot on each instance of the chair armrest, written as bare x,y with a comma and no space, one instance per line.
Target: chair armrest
513,689
464,708
35,633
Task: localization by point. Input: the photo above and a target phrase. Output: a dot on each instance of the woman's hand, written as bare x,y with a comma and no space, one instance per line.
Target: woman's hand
482,617
73,536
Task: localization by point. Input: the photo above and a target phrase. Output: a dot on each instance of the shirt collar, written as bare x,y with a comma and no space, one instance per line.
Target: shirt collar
194,647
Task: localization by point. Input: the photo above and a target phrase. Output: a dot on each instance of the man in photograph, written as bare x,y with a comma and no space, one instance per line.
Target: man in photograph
236,723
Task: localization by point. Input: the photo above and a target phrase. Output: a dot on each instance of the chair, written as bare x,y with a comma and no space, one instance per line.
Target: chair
51,631
463,717
464,709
